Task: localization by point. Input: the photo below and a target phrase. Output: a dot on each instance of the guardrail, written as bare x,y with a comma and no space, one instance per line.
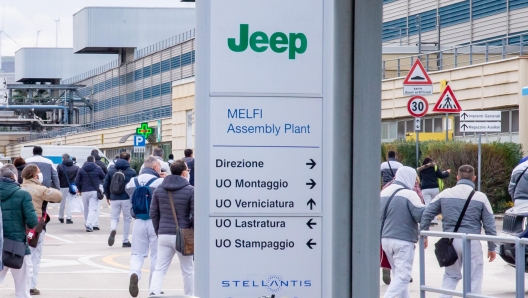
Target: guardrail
520,244
458,56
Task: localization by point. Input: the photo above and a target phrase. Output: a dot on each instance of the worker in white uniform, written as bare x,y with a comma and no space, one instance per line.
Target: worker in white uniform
400,229
450,203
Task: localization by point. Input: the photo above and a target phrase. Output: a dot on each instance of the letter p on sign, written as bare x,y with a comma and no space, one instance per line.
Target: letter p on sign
139,141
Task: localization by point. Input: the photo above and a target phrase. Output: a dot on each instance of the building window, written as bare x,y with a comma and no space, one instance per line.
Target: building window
401,130
409,126
437,124
515,121
505,121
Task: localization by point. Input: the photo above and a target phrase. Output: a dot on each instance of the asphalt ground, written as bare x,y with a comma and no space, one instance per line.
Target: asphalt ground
77,264
499,277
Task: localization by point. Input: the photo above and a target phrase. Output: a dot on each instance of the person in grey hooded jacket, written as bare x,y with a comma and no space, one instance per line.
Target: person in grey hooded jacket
400,229
518,187
450,203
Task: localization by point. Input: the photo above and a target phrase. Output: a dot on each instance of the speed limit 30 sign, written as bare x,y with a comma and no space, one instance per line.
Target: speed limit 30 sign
417,106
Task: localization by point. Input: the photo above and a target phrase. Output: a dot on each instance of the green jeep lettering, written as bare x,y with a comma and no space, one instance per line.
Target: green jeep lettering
279,42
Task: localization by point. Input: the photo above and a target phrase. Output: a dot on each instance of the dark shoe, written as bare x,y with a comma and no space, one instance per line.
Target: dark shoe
386,276
61,220
133,288
34,292
127,244
88,229
69,221
434,224
411,280
96,228
111,239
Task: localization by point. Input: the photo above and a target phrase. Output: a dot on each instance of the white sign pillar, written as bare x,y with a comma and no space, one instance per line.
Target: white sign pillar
274,133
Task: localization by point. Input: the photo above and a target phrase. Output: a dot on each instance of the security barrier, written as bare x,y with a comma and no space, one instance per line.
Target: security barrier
520,244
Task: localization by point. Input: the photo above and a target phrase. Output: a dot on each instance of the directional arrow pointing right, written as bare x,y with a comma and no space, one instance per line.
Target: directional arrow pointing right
311,183
311,163
310,223
310,243
312,203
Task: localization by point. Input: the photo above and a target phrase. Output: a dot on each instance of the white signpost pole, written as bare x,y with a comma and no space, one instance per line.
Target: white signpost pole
479,160
417,128
275,110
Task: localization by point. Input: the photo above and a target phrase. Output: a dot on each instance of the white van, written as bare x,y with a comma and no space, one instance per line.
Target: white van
54,153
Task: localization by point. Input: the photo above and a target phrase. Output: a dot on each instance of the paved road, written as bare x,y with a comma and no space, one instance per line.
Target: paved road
499,278
77,264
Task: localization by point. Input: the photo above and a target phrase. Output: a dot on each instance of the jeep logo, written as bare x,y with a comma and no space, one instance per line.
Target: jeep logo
294,43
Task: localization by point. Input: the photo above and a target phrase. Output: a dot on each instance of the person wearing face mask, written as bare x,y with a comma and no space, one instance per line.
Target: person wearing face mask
145,238
40,196
401,211
182,194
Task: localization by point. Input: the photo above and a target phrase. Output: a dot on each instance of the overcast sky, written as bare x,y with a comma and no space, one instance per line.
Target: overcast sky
23,18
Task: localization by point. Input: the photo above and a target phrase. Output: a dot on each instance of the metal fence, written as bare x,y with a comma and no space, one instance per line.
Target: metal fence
520,259
459,56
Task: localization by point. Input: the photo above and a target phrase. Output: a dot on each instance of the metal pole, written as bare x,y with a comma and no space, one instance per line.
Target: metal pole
479,160
422,266
520,266
438,36
419,25
466,266
447,127
417,149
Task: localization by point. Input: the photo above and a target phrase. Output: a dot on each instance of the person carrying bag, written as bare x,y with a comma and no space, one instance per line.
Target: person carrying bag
184,237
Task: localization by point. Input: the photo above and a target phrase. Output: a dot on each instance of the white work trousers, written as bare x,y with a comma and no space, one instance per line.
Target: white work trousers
166,251
36,256
22,278
90,207
401,256
145,239
99,204
453,273
66,202
428,195
118,207
519,202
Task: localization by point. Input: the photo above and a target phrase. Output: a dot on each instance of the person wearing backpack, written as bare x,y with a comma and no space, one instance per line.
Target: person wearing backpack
67,172
431,181
114,188
140,189
464,210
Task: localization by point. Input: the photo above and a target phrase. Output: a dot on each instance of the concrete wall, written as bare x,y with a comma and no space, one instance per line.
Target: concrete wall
486,86
182,101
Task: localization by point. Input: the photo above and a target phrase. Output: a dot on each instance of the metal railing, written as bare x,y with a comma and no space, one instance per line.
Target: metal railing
164,44
520,244
459,56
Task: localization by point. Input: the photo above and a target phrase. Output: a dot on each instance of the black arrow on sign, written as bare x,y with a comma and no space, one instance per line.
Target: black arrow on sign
310,243
312,183
312,163
464,115
312,203
464,126
310,223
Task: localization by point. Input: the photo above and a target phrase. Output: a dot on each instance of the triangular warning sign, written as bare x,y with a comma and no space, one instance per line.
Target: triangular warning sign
447,102
417,75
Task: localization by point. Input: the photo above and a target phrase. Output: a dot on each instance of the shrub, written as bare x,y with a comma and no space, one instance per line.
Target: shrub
498,161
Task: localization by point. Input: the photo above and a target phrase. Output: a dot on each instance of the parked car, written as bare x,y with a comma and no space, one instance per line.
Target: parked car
515,224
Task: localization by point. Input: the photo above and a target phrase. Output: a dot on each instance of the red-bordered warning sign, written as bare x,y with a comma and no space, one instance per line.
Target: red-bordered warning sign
417,106
447,102
417,75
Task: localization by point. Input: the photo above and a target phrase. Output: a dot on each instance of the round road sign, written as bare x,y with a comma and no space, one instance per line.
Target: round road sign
417,106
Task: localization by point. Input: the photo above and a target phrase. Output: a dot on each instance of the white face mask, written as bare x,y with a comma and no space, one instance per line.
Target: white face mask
40,177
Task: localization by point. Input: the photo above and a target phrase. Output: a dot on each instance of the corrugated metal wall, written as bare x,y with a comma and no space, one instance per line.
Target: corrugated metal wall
462,21
139,90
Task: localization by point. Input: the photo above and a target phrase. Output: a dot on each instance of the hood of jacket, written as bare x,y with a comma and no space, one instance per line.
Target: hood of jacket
67,162
174,182
7,187
426,166
89,166
21,167
406,176
96,156
122,164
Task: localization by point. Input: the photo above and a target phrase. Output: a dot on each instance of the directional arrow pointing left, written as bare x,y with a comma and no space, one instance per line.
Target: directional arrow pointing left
310,243
311,183
310,223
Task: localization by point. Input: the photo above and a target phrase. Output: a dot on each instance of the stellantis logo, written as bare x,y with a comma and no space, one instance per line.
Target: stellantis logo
273,283
279,42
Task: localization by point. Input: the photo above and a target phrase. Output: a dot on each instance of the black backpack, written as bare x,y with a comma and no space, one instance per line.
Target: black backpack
117,185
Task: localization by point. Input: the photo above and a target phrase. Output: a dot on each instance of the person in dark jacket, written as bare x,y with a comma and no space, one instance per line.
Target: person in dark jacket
100,163
20,164
429,174
119,203
189,160
17,213
163,221
67,172
88,179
